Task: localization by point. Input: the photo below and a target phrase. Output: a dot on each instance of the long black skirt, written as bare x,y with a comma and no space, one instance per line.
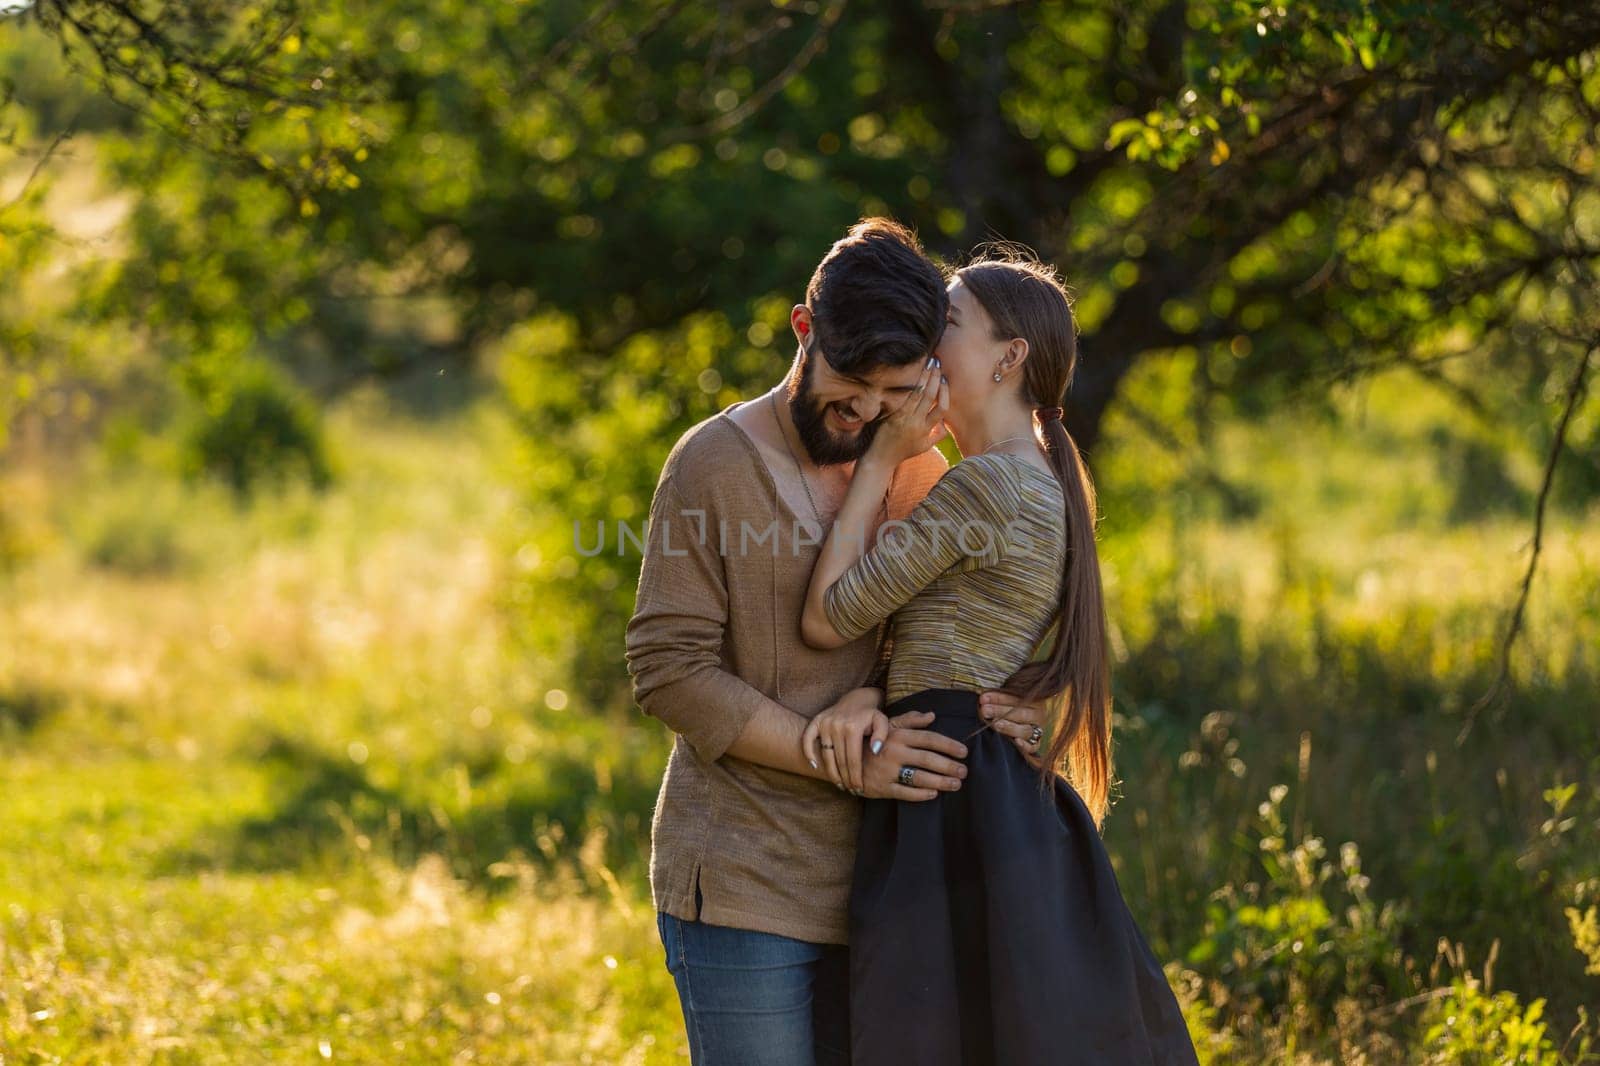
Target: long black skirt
987,926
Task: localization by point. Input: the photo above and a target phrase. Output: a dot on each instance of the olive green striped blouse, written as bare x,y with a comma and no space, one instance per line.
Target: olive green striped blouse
970,578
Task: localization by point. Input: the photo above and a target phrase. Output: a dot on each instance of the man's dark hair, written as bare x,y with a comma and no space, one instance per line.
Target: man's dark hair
876,299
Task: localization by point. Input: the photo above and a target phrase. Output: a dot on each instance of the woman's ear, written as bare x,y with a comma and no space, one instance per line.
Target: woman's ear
1016,353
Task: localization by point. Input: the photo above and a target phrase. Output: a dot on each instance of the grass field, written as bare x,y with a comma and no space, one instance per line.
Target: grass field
198,707
280,785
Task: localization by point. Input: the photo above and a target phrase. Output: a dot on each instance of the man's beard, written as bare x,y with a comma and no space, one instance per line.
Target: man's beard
825,447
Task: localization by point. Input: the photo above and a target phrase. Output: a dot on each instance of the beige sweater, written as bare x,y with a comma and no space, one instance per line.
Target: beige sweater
716,626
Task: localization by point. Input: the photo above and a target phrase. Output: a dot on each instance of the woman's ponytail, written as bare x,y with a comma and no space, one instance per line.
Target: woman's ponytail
1024,298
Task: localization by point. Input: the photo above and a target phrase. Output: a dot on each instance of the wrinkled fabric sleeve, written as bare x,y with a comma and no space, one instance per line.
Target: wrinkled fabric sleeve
675,636
960,525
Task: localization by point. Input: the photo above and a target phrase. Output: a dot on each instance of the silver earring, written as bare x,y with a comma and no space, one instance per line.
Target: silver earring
997,375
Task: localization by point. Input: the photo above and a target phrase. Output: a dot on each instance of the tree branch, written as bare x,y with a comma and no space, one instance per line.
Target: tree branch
1575,389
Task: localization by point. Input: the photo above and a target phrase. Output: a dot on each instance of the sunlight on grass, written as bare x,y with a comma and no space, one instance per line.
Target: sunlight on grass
282,784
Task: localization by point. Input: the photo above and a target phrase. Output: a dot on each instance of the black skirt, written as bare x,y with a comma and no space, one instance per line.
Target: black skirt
987,927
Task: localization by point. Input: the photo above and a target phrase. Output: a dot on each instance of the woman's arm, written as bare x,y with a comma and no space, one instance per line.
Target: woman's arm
846,543
909,430
962,523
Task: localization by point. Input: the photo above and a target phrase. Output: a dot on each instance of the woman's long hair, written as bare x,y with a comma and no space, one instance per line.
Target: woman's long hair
1025,298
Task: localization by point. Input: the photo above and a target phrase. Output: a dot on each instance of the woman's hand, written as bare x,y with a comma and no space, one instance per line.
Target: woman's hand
918,423
837,737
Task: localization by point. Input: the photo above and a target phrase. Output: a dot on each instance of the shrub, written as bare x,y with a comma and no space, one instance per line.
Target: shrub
1304,937
1470,1025
256,428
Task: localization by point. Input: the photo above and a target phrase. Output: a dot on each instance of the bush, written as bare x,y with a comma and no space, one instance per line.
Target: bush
23,535
1305,936
255,429
135,540
1470,1025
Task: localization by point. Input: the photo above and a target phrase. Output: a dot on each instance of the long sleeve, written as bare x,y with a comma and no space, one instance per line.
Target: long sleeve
675,637
962,524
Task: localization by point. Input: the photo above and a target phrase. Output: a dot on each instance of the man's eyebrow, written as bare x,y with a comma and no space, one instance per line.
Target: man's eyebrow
864,381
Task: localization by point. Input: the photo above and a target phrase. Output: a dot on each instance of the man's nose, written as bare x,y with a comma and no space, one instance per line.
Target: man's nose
868,407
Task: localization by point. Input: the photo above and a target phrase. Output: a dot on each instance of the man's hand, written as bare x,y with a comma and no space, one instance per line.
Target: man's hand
933,758
1022,722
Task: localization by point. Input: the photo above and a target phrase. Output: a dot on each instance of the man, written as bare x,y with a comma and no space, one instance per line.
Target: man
752,846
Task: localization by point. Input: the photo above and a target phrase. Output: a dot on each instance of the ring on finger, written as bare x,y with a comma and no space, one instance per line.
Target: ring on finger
1035,736
906,773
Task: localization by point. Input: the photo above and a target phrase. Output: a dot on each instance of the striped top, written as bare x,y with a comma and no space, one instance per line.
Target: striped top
970,578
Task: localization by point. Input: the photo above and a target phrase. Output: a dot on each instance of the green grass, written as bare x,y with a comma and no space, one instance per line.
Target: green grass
294,792
282,784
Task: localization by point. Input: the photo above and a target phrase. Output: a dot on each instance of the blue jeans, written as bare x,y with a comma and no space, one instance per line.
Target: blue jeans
758,999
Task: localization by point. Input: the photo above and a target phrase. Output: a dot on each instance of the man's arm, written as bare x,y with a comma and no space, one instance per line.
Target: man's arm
675,637
772,738
674,654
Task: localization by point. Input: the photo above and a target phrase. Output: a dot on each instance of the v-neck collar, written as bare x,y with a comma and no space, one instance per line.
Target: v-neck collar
772,483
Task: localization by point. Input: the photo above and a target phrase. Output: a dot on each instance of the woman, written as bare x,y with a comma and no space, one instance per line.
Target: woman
988,927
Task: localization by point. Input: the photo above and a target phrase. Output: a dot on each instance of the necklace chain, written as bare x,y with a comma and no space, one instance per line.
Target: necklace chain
1008,440
798,469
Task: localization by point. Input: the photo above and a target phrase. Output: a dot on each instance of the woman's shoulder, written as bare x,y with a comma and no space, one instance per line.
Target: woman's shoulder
1003,484
1016,469
988,482
996,467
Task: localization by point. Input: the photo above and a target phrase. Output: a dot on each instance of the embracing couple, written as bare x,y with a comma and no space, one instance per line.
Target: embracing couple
877,839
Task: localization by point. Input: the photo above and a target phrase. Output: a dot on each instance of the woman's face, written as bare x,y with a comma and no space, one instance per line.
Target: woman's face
968,352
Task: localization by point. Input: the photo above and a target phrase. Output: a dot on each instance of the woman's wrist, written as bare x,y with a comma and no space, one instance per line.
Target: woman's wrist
876,465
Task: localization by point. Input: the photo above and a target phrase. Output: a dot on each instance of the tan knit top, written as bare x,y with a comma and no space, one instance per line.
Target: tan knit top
971,577
716,631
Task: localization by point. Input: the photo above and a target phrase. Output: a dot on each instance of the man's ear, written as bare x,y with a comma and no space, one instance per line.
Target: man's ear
800,322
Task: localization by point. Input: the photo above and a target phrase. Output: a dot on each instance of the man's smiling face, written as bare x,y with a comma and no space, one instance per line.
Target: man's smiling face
837,414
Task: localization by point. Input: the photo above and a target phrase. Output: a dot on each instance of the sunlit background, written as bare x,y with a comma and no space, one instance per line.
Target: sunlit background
320,324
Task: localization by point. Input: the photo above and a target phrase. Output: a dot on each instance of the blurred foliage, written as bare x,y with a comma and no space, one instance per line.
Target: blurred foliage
1287,193
238,80
1273,199
1294,937
1470,1025
585,468
255,428
316,713
608,210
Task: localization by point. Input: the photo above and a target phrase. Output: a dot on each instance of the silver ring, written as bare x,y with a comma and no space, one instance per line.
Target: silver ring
1035,736
825,744
905,775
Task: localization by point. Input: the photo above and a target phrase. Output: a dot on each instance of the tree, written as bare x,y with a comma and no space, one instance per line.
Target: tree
617,200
